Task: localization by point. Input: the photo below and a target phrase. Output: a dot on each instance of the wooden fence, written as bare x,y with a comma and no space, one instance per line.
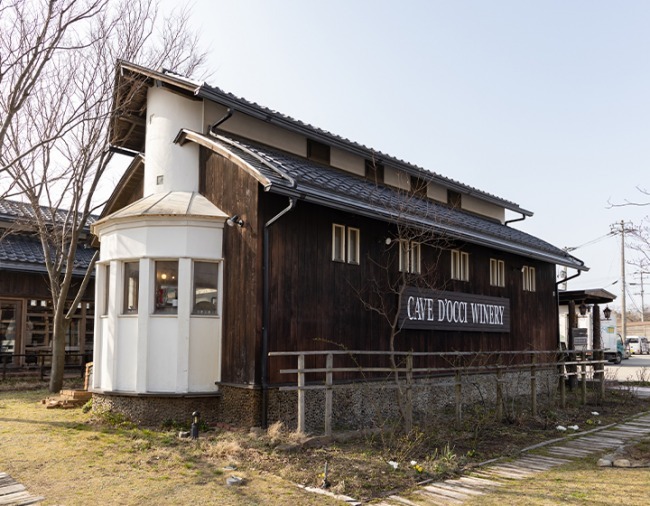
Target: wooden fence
569,366
12,365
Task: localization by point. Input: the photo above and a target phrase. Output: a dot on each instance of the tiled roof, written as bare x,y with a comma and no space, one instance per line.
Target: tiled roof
13,210
23,252
128,135
214,93
336,188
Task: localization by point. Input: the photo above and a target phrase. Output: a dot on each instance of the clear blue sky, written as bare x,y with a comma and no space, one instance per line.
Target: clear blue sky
543,103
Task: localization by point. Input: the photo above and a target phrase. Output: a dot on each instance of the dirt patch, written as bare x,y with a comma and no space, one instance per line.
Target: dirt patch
91,450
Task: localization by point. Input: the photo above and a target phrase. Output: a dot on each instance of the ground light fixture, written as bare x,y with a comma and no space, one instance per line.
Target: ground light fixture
194,429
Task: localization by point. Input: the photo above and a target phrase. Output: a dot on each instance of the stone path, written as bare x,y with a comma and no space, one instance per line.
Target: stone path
15,494
484,479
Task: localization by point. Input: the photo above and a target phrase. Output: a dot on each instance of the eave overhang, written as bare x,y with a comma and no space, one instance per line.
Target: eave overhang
357,199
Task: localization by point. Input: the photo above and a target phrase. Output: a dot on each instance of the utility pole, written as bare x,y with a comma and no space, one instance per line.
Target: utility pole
621,228
640,274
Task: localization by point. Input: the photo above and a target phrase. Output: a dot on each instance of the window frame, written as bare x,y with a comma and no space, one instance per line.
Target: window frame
346,244
529,281
107,289
125,288
410,256
214,311
338,254
459,265
353,249
497,273
160,307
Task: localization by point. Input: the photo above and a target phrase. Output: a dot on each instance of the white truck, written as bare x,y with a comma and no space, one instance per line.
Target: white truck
611,341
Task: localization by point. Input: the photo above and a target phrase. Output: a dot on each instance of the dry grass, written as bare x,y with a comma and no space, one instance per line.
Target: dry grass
71,457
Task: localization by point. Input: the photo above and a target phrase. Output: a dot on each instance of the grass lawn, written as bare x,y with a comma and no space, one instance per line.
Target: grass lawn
69,458
580,483
74,457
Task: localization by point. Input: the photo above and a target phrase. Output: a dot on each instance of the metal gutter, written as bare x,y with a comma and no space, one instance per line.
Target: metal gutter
266,310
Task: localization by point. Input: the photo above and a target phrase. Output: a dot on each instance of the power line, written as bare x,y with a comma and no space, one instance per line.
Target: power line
593,241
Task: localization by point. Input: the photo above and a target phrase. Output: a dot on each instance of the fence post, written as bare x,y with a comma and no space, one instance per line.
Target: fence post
459,399
328,394
533,386
601,375
583,378
499,394
42,371
409,390
301,394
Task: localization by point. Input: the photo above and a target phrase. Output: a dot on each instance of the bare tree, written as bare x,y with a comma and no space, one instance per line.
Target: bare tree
640,232
411,259
57,95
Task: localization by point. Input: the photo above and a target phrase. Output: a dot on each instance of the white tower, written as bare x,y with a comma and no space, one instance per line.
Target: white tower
159,279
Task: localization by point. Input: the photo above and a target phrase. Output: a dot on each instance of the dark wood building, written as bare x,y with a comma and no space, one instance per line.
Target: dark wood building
330,239
25,298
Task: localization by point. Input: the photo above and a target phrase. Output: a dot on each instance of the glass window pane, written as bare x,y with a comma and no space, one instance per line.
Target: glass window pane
166,293
206,277
8,330
415,257
131,287
353,245
107,285
338,243
403,255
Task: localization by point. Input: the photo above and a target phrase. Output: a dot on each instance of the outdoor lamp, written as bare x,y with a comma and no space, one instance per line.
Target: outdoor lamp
607,312
583,309
235,220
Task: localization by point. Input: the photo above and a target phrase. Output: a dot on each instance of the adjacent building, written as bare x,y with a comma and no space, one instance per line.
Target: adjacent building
25,299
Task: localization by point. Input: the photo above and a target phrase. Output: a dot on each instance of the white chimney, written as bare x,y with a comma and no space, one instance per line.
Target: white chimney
170,167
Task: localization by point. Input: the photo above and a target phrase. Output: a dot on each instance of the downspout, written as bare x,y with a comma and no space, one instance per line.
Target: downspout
212,129
523,217
266,313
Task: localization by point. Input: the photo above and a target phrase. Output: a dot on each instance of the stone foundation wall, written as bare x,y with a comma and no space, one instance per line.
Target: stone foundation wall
372,404
232,405
156,410
355,406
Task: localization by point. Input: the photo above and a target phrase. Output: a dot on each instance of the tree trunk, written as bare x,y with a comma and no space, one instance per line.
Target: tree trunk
58,353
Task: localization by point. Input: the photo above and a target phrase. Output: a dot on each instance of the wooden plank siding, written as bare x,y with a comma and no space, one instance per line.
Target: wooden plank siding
235,192
315,302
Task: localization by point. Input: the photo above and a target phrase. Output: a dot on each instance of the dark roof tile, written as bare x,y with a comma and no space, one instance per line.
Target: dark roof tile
352,192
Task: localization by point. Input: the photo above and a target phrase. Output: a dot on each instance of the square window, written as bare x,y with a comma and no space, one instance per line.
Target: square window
166,292
318,151
409,256
204,288
131,287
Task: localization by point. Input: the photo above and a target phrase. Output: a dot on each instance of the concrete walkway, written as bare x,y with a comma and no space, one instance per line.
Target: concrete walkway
492,475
